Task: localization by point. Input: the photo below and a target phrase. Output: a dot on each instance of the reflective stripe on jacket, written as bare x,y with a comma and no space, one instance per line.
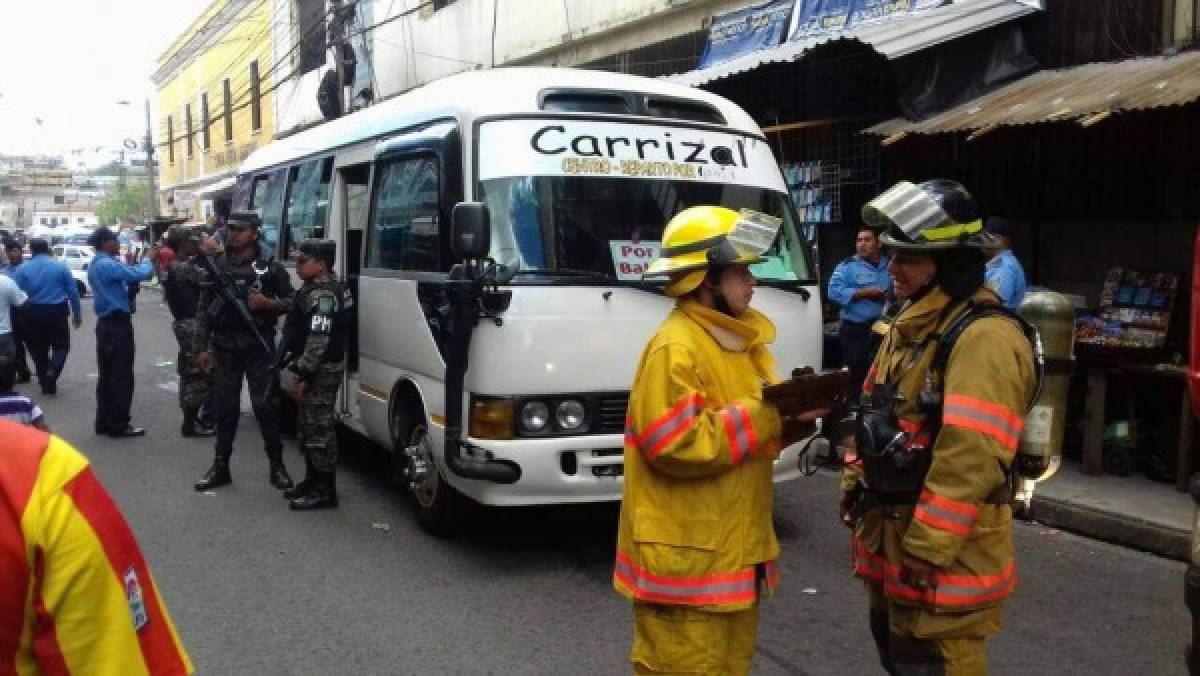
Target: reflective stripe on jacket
76,595
699,450
988,382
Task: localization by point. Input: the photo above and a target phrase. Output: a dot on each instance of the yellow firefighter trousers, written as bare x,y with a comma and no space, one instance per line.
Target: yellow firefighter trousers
681,640
915,642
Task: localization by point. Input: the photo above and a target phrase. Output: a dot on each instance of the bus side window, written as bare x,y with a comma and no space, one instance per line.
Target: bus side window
405,228
307,203
266,199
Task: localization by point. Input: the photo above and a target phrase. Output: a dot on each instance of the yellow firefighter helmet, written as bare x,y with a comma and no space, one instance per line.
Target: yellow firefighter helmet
700,237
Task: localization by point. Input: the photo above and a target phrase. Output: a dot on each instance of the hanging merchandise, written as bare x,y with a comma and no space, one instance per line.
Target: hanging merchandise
1135,310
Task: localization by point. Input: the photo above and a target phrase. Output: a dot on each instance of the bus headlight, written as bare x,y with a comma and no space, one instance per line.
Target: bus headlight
570,415
535,415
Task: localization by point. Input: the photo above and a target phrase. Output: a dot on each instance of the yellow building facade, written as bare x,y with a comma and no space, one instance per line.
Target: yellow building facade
214,105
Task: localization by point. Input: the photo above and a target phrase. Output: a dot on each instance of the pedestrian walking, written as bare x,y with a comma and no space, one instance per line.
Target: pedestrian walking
53,296
860,285
76,594
181,291
110,280
928,493
695,542
1004,273
231,346
314,362
14,256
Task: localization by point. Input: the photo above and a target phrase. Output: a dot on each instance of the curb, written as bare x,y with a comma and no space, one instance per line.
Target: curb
1119,529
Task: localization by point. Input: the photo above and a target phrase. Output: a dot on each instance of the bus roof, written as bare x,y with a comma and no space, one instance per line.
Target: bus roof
470,95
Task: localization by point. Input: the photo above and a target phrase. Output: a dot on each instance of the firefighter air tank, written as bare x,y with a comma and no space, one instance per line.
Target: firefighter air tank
1040,451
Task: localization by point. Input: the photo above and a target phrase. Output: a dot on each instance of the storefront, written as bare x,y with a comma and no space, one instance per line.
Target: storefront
1099,164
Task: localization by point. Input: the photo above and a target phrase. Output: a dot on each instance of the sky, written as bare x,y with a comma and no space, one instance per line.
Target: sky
67,63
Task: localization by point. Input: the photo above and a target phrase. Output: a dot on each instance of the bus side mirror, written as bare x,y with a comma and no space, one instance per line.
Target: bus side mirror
471,231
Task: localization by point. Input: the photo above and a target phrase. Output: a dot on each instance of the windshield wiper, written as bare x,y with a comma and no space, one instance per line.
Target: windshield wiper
569,272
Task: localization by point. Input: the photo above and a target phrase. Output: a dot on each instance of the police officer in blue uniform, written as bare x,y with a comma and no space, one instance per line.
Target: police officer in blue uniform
860,285
110,280
1004,273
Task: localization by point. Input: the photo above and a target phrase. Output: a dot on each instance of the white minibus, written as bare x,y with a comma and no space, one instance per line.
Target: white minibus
566,178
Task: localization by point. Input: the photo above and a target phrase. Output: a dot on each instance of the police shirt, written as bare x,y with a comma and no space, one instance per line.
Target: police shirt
853,274
1006,277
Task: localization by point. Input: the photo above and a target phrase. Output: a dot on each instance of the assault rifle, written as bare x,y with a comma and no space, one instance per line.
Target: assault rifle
228,295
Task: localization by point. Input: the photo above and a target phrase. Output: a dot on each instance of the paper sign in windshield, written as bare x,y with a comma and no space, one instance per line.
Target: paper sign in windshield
630,259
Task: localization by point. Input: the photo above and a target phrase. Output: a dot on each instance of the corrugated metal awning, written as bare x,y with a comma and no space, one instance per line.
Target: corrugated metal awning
893,38
217,188
1085,93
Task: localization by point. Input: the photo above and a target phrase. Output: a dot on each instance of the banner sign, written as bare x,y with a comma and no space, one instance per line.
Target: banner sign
746,30
592,148
870,11
817,17
814,17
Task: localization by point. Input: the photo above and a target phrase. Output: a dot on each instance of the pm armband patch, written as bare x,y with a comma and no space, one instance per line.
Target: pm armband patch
321,324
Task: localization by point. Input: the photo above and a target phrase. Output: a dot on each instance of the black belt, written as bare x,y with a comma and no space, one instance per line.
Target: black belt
116,315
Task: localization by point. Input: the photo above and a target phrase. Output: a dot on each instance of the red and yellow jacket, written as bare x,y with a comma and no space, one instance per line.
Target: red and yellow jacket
76,595
699,450
954,526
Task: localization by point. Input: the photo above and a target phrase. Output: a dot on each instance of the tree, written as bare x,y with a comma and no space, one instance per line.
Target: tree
124,203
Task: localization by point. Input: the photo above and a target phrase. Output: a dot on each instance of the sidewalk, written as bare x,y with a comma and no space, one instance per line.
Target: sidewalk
1130,511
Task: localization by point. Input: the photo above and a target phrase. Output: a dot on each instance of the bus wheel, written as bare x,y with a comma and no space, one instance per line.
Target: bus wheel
440,509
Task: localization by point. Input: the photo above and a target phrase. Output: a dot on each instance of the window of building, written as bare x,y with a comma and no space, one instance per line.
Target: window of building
43,221
170,140
307,202
228,112
255,100
405,232
204,122
310,38
78,220
187,122
266,199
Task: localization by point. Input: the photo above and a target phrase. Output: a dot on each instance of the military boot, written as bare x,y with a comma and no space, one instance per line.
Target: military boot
216,476
278,472
322,495
305,484
194,427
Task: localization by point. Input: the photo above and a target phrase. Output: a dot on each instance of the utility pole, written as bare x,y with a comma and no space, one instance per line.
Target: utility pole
151,177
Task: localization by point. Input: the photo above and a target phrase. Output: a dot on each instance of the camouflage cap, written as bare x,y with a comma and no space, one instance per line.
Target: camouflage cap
243,219
177,234
324,249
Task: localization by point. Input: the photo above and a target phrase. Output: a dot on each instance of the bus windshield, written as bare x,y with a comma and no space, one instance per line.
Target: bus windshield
608,229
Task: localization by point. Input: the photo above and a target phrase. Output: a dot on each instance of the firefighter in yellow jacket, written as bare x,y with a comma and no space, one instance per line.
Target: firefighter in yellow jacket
695,544
927,490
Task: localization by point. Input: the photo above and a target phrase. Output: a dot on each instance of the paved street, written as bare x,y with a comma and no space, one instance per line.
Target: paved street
360,590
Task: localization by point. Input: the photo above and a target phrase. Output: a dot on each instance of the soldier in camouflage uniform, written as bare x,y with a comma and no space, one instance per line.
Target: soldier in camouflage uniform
226,344
314,361
181,290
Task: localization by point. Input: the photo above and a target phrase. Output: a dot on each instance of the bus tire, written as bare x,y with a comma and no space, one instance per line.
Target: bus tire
440,509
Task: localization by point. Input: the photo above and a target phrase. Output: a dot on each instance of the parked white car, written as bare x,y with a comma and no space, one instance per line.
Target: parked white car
77,257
